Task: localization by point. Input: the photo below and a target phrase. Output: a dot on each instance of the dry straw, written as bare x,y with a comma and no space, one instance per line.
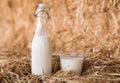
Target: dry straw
88,26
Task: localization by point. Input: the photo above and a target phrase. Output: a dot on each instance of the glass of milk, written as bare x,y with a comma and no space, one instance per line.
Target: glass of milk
73,62
41,62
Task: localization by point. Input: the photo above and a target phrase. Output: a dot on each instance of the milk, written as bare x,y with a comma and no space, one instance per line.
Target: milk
73,63
41,55
41,49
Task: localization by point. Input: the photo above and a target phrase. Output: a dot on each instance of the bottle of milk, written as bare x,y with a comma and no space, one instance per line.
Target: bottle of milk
41,51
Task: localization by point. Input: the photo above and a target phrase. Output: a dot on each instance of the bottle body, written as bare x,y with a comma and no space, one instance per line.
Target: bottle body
41,55
41,48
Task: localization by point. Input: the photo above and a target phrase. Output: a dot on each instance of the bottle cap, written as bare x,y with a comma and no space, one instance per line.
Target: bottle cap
42,6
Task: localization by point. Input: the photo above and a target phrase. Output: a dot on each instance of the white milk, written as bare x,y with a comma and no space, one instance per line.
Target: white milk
41,55
41,50
73,63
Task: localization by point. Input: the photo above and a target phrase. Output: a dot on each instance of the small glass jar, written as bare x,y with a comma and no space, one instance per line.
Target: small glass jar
72,62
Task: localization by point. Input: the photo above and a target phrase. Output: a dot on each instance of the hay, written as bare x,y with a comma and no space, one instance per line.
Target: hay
96,69
90,27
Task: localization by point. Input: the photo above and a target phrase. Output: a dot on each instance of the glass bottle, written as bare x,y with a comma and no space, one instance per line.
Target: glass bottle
41,49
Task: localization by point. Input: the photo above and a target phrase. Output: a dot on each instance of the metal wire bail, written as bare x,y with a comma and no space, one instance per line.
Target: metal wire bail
42,11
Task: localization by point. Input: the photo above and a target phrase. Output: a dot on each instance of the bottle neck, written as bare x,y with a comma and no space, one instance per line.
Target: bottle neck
41,27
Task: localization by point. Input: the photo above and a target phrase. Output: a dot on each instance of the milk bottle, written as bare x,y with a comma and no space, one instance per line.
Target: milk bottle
41,50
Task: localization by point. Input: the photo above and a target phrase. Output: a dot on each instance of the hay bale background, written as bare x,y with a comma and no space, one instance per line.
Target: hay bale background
74,26
88,26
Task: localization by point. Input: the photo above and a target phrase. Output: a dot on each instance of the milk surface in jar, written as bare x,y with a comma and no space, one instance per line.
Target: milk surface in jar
41,49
